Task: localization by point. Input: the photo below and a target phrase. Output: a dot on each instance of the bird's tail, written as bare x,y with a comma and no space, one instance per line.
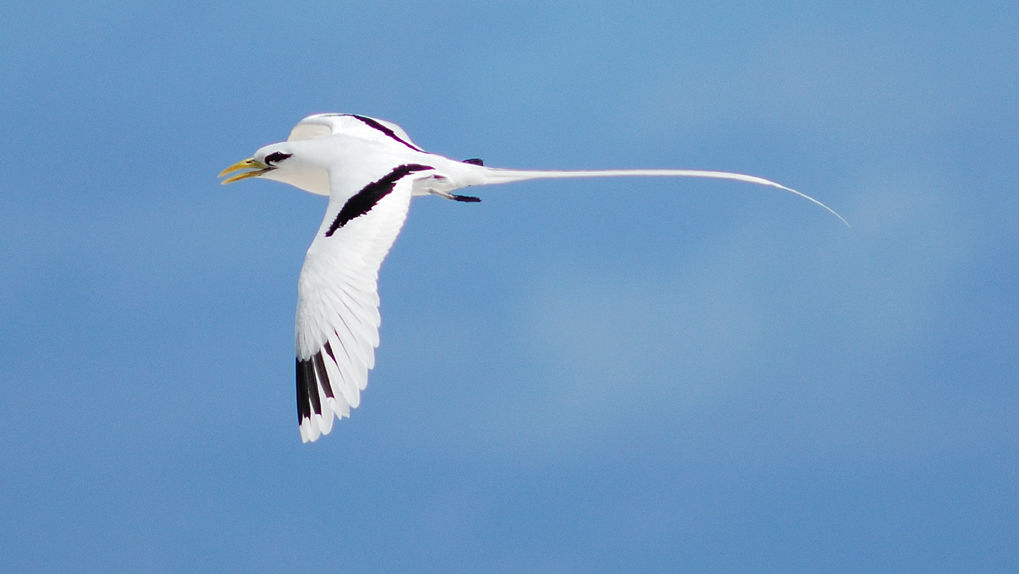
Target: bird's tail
499,175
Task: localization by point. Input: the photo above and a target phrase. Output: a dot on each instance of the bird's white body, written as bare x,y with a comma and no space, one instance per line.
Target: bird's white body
369,169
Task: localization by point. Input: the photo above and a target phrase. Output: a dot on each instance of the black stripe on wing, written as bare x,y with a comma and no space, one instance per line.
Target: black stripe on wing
363,201
388,132
310,373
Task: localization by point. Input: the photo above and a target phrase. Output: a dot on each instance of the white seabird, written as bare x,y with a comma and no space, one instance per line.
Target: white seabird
370,169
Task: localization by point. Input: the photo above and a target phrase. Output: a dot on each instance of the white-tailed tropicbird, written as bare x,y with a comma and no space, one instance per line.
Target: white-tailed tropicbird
369,169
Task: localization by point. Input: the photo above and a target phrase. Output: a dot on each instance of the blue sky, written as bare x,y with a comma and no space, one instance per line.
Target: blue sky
575,376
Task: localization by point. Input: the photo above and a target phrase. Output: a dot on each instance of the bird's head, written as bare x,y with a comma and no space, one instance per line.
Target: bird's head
283,162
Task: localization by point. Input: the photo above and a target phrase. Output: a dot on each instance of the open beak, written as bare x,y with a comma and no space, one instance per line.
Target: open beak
255,167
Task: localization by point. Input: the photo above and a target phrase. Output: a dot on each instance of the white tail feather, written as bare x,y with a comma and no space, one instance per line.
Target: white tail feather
498,175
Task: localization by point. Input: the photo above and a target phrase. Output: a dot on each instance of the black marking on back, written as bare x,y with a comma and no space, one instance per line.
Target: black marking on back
390,133
475,161
363,201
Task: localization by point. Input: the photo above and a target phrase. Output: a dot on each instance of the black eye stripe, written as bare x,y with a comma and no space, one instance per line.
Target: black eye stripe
276,157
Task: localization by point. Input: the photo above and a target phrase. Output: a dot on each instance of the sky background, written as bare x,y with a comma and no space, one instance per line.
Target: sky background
635,375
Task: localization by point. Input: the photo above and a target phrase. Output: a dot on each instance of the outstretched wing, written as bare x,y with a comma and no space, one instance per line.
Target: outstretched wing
338,304
322,125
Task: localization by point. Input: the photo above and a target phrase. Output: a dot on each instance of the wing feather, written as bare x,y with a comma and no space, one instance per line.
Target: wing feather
315,126
322,125
337,327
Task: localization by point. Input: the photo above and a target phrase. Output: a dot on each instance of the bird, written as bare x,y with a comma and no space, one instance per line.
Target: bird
370,169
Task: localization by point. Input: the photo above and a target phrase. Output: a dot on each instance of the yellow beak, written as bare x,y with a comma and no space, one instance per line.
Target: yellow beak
257,168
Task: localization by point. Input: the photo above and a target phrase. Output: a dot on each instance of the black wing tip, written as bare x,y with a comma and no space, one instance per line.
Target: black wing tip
305,382
474,161
311,373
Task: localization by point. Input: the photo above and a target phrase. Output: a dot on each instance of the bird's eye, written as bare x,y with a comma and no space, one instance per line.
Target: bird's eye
276,157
